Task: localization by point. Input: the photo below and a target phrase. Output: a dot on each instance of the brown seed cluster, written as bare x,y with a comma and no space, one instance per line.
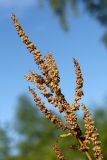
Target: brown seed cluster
91,134
79,81
58,152
48,114
51,79
52,69
48,84
69,113
42,85
79,85
29,45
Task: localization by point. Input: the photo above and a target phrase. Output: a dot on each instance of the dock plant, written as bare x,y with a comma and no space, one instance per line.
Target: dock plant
48,84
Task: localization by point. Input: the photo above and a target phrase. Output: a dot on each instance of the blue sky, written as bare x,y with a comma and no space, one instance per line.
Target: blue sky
82,42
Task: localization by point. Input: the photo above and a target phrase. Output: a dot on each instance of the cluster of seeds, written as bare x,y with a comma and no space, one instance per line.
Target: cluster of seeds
79,85
52,79
79,81
91,134
52,69
27,42
48,114
48,84
58,152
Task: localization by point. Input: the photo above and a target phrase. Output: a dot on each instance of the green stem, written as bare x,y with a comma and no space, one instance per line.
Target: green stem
87,153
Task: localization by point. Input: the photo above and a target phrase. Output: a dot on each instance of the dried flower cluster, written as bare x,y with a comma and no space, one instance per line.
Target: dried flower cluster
58,152
48,84
79,85
48,114
91,134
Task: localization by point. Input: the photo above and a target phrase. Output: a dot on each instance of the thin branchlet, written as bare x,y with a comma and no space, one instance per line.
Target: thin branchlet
48,84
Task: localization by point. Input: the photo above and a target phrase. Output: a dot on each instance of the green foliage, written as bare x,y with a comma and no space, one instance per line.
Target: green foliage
97,9
26,117
4,143
32,128
38,135
60,9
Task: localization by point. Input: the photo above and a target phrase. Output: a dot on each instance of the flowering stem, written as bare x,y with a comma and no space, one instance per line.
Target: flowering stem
87,153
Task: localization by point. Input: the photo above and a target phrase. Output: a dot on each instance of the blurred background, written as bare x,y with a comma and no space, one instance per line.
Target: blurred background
66,28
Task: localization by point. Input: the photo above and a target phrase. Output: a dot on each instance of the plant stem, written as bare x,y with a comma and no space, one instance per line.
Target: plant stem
87,153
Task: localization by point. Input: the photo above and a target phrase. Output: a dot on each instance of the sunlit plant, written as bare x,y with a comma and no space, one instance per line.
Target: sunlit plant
48,84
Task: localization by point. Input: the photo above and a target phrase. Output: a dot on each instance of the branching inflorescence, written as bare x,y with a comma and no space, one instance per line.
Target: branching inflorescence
48,84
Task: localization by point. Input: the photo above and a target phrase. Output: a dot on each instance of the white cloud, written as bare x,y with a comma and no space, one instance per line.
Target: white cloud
17,4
